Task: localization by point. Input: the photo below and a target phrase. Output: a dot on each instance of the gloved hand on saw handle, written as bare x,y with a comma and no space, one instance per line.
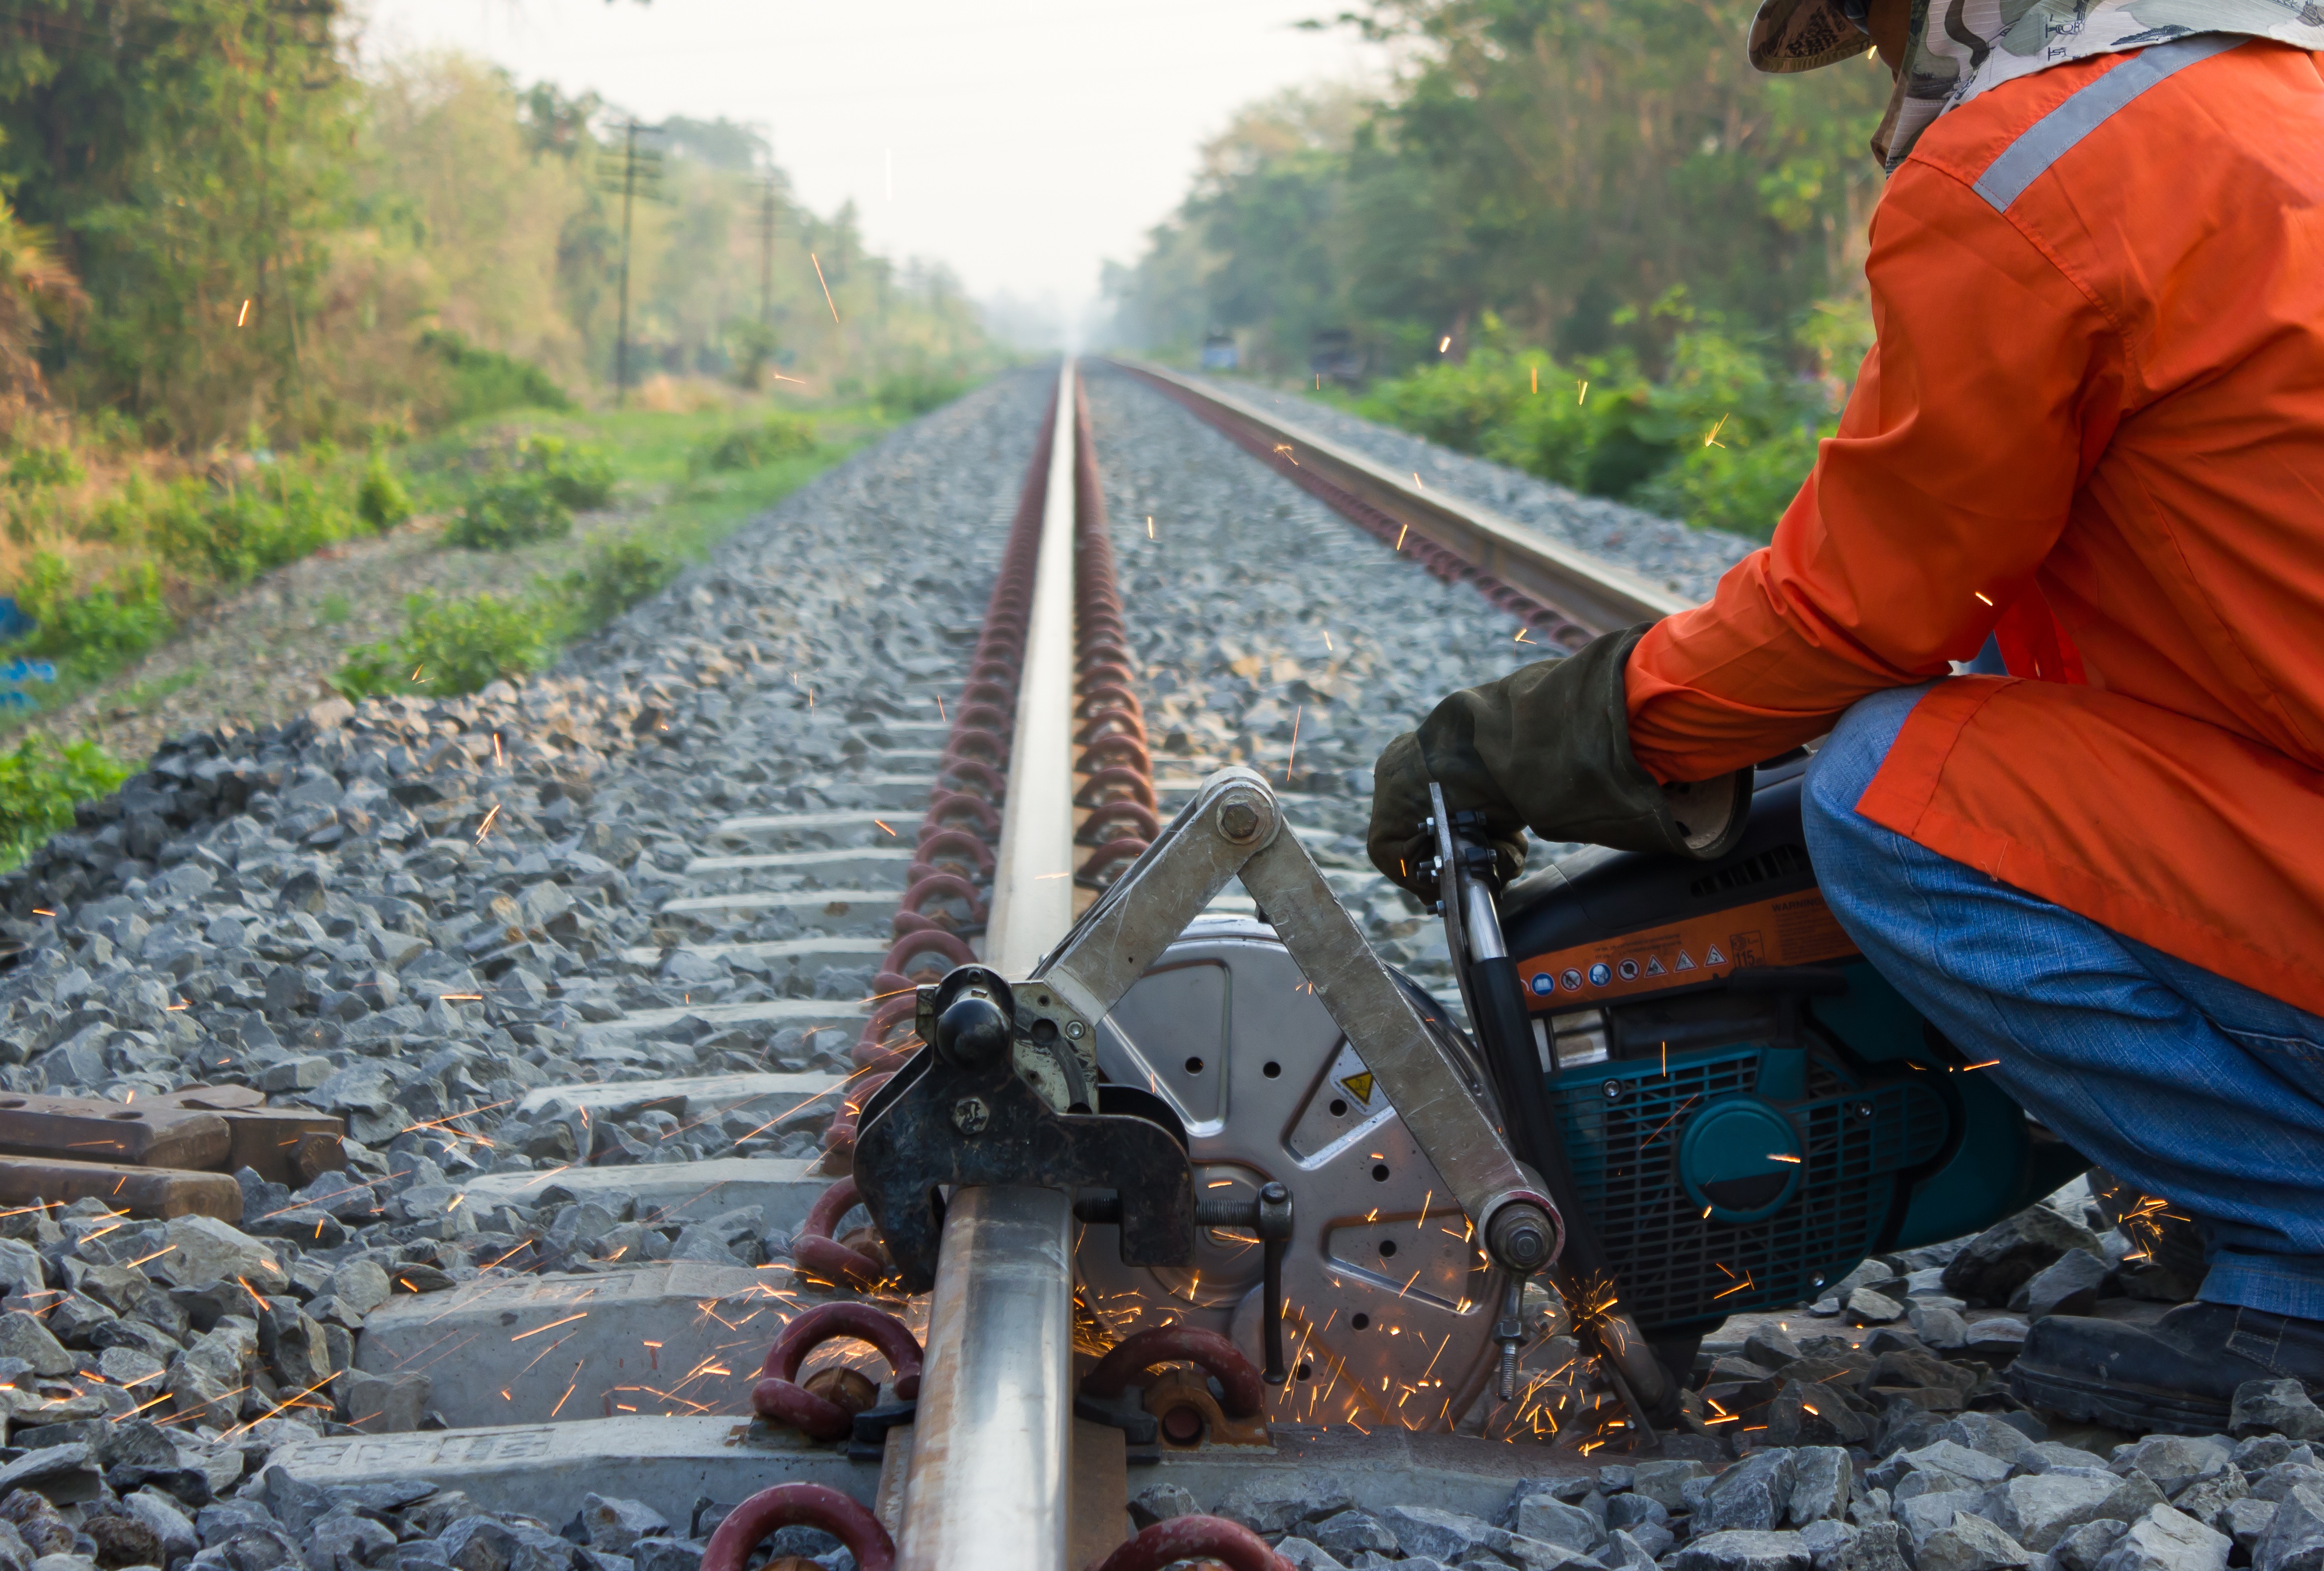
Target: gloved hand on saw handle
1545,748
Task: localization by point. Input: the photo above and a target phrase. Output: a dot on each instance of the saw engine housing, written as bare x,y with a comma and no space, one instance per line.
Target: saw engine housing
1747,1108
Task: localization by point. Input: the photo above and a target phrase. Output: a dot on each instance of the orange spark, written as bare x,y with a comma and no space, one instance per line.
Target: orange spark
827,285
552,1325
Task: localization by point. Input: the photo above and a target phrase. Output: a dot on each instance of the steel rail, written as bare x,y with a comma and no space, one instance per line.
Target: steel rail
990,1480
1586,596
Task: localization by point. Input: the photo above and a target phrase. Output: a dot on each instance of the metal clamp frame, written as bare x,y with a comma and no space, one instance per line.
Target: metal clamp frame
1233,829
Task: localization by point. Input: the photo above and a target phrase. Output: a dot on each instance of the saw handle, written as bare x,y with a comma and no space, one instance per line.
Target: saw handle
1505,1027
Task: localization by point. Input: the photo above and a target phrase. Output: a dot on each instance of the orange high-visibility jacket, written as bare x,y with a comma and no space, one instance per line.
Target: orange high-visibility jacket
2097,396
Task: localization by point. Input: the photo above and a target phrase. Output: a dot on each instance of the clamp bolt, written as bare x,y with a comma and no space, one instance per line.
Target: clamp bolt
1522,1238
1239,822
970,1114
1075,1029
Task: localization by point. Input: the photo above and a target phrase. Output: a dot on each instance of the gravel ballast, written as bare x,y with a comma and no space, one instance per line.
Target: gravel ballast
413,915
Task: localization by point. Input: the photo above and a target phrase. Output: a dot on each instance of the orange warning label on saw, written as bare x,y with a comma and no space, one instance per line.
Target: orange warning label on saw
1792,930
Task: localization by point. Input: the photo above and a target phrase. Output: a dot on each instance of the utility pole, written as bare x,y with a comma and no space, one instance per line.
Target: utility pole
637,166
629,192
767,256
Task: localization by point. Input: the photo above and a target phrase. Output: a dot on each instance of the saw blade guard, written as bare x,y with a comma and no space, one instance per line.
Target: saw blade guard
1390,1299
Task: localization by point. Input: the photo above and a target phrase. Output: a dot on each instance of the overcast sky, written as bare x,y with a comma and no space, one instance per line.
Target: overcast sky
1020,141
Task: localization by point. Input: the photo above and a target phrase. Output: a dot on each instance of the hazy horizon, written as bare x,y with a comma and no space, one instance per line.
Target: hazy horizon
1022,143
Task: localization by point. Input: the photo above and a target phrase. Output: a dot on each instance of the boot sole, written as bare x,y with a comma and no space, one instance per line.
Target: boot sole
2118,1404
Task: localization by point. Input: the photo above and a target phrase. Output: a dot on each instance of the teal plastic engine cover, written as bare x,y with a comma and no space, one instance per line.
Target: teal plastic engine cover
1740,1161
1697,1223
1733,1153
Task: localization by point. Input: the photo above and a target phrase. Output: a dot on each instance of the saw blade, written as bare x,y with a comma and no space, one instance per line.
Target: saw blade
1390,1302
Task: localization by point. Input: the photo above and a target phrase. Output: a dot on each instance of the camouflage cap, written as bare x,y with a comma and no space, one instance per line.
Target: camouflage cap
1805,35
1956,51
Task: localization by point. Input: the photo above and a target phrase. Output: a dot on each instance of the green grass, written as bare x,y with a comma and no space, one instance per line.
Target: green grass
665,496
40,782
639,477
138,694
671,506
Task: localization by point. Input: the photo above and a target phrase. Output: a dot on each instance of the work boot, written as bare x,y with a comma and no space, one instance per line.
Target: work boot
2177,1376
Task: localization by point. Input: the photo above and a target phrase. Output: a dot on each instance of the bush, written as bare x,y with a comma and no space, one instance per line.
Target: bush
373,670
459,646
753,347
749,447
381,501
33,468
1589,429
450,647
41,783
484,381
917,391
119,619
579,476
1457,405
1741,485
618,575
507,511
1722,441
237,534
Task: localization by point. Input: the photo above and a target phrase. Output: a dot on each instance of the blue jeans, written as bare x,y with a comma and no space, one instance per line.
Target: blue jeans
2181,1082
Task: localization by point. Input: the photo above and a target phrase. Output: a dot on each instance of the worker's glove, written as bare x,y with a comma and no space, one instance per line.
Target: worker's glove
1547,747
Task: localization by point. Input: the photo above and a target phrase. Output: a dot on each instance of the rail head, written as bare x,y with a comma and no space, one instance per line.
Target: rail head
1600,595
991,1468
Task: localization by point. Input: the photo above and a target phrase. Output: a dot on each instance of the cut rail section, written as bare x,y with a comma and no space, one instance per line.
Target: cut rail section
1570,597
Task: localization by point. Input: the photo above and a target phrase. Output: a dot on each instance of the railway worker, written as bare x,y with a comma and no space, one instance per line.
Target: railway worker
2088,441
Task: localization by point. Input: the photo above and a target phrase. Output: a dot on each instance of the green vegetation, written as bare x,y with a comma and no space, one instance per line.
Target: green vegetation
106,570
220,229
36,466
457,646
1609,189
484,381
919,389
536,499
40,783
103,627
753,447
618,575
579,476
231,535
381,501
450,647
1722,441
510,509
254,304
224,255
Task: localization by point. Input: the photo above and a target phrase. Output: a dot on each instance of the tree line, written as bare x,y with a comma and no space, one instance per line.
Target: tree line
214,227
1549,193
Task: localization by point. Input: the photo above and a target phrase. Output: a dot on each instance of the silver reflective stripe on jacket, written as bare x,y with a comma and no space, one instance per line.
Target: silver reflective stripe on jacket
2050,138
